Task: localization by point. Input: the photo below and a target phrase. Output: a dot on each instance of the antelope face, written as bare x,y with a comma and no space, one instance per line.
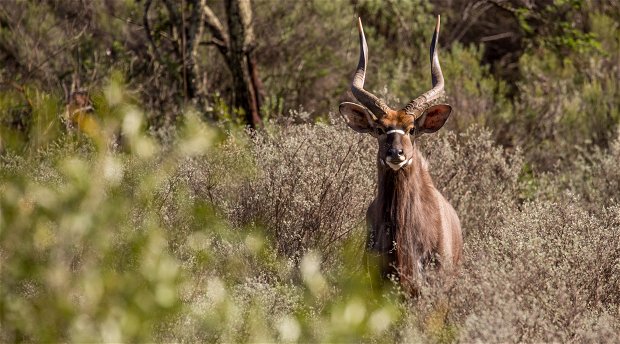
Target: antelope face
395,135
395,130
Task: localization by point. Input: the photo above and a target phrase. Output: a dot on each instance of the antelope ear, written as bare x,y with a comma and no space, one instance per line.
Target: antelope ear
433,118
357,117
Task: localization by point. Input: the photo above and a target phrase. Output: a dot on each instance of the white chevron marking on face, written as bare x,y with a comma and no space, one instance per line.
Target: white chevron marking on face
398,166
396,131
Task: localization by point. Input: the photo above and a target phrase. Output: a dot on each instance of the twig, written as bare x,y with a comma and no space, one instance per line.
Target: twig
183,47
216,28
147,29
497,36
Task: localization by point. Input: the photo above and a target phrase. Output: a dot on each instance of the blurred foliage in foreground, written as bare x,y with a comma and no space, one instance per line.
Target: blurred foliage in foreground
132,244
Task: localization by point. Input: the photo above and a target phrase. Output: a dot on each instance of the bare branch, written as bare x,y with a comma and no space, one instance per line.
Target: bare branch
216,42
147,29
245,12
216,28
176,24
195,25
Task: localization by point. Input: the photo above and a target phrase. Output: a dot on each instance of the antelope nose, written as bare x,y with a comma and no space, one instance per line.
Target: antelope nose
395,153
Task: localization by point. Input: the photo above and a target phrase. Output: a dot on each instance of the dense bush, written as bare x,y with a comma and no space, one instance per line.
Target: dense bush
258,236
551,274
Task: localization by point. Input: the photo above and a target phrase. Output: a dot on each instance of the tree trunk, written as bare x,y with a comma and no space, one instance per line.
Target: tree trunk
241,61
237,46
257,84
191,35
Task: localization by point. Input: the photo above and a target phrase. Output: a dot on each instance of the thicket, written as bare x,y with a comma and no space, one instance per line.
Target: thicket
162,219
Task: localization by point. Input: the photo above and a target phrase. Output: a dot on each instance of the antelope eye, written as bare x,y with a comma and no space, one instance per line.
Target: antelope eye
412,131
379,131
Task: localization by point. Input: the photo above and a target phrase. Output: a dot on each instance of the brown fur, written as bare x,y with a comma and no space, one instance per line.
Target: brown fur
410,223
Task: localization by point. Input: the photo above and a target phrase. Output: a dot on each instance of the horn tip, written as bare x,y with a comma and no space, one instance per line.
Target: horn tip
359,23
438,23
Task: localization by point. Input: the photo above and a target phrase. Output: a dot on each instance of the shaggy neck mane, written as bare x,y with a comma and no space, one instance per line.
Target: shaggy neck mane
406,200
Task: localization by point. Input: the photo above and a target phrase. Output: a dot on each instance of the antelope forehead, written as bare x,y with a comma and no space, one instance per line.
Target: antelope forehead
397,121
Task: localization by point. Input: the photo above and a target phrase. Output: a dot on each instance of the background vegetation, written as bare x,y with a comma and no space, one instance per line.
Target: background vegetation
135,206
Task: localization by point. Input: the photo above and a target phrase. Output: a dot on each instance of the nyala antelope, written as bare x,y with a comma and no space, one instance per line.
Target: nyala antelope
411,225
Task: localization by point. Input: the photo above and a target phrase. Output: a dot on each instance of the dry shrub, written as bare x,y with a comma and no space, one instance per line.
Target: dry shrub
548,274
312,183
312,187
605,176
543,270
593,174
551,274
479,178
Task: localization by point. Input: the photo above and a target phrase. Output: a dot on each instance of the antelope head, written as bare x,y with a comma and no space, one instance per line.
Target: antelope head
396,130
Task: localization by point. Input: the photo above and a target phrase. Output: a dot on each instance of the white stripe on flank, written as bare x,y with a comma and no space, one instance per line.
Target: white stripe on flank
396,131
